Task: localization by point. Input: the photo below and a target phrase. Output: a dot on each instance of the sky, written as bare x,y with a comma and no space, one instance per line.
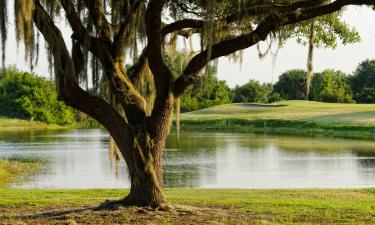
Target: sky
291,56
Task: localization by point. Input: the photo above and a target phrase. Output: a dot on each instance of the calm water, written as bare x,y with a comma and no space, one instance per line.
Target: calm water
81,159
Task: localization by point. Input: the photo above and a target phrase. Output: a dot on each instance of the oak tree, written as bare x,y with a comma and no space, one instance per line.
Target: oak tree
109,34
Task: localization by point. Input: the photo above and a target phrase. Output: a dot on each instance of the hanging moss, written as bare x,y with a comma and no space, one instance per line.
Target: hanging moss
3,29
177,112
309,72
24,24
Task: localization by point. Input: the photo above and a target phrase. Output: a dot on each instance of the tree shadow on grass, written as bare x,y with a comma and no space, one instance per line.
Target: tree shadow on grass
48,214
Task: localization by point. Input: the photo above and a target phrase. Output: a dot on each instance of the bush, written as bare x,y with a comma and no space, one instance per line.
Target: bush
275,97
331,86
27,96
252,91
291,85
208,91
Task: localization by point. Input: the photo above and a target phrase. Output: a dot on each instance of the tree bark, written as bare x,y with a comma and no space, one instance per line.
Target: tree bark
310,56
145,170
146,183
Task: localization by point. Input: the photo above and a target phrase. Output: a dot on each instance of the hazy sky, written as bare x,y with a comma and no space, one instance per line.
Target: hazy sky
345,58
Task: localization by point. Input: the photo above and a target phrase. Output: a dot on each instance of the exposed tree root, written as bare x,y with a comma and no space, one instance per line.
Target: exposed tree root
180,214
124,203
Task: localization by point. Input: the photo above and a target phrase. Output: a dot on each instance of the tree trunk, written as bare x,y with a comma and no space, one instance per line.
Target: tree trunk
144,162
146,186
310,56
146,176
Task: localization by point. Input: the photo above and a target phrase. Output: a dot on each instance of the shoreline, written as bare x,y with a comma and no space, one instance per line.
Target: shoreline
301,118
299,128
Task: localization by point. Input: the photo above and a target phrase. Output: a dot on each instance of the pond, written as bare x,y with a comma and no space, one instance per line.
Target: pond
81,159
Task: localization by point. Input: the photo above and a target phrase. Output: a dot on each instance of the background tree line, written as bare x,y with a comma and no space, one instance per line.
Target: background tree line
27,96
327,86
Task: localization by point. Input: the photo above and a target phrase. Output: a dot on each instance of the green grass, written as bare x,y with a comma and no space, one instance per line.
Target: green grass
309,206
11,168
299,117
9,124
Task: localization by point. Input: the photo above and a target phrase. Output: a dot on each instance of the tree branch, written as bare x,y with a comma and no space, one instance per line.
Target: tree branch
181,25
96,10
118,39
257,9
162,75
271,23
134,72
121,86
69,90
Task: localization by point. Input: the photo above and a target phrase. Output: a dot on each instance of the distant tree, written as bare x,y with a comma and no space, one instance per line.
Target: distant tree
275,97
331,86
324,32
207,91
252,91
363,82
27,96
291,85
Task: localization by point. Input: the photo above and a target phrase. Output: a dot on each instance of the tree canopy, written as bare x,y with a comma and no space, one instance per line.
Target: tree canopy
363,82
331,86
292,84
252,91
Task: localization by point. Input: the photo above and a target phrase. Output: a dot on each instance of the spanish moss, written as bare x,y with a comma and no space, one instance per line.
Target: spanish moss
4,29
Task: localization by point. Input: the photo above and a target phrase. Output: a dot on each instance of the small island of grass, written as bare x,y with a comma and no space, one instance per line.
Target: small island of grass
10,168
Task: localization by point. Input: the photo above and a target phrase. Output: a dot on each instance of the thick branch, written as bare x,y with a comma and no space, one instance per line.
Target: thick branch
73,18
162,74
186,27
96,10
119,44
134,72
68,88
121,86
271,23
154,37
182,25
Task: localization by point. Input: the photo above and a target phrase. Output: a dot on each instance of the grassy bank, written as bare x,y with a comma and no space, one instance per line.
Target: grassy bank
295,117
14,167
200,206
8,124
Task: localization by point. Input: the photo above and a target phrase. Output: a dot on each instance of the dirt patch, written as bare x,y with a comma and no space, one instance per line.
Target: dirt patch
253,105
180,214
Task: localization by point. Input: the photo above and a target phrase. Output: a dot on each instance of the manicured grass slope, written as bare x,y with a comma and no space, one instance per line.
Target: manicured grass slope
311,206
309,117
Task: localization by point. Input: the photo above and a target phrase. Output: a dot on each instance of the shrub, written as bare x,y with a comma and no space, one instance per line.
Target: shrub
27,96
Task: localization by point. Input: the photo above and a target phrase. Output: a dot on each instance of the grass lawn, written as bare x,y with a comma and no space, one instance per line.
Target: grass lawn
215,206
193,206
300,117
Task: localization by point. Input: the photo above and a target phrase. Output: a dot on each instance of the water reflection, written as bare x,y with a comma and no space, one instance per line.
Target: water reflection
114,156
89,159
